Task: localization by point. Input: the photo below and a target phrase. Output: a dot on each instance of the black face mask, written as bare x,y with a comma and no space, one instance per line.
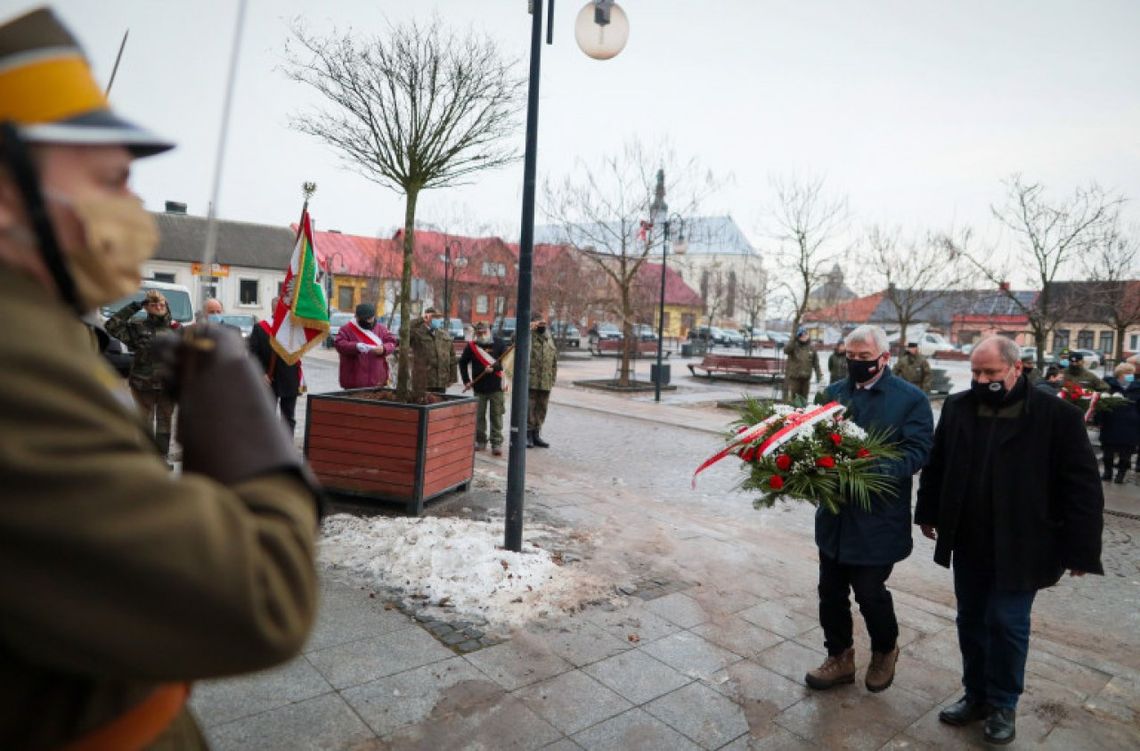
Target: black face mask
991,394
540,329
365,324
862,371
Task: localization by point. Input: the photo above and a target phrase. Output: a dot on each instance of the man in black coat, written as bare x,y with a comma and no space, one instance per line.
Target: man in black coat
481,365
1013,497
858,548
283,379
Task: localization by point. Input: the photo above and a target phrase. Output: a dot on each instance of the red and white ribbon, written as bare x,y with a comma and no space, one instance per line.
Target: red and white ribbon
1092,405
794,423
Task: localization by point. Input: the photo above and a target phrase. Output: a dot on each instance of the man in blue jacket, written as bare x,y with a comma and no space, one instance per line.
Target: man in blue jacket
859,548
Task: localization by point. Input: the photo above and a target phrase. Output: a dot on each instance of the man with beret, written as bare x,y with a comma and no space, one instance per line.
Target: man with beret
363,345
1073,366
481,369
120,582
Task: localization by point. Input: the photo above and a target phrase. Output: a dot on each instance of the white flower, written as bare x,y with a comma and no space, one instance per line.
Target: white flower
851,430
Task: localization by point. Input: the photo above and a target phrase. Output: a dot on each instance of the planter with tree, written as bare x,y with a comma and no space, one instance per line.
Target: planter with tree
414,108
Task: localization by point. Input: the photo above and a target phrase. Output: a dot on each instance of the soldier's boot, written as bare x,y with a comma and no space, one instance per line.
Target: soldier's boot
881,673
835,670
539,442
530,439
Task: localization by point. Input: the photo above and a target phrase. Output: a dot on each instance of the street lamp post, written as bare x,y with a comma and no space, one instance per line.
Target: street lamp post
601,32
460,262
659,212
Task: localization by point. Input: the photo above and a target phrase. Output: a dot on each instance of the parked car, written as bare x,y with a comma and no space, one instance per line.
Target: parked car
455,328
178,302
504,327
244,322
336,320
605,330
709,334
1050,358
645,332
565,334
733,338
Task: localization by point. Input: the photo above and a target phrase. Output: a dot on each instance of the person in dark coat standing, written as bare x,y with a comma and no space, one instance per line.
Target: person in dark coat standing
1120,427
481,362
858,548
837,363
283,379
1012,497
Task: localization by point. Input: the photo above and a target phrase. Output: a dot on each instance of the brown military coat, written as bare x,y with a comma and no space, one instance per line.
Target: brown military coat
116,575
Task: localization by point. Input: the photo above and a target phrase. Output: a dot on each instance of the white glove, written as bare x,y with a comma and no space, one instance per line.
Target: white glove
363,348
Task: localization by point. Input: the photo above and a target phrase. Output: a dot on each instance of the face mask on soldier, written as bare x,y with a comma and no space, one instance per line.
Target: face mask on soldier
119,236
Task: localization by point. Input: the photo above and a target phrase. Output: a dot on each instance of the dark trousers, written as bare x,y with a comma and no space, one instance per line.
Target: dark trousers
288,405
993,634
1116,456
868,583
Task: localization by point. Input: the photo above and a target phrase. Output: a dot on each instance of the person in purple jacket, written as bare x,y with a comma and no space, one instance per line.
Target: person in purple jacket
364,346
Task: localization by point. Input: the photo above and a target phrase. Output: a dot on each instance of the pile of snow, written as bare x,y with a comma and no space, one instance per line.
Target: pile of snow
457,564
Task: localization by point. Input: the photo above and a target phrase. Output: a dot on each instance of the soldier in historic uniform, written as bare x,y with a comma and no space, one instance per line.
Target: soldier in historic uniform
120,583
543,374
1073,364
914,368
145,379
434,364
802,361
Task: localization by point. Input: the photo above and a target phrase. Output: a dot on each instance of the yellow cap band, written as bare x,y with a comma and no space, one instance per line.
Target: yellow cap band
47,91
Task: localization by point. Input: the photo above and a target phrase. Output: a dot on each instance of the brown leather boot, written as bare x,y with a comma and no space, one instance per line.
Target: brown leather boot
835,670
881,671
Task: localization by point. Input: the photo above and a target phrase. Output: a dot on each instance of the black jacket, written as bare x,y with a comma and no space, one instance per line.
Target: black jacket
286,379
1047,496
1121,426
470,368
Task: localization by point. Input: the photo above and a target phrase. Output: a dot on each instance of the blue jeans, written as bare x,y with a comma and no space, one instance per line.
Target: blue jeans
993,634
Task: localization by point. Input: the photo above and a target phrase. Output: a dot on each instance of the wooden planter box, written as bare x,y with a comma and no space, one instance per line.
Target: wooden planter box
407,453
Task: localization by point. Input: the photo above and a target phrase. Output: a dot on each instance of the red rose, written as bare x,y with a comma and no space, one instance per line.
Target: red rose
827,462
775,482
748,454
836,438
862,453
783,462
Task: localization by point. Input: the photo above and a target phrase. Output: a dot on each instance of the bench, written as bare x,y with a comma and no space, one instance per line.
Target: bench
740,367
614,347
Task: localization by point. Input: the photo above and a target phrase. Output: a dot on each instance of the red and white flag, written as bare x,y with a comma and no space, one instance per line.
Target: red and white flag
301,318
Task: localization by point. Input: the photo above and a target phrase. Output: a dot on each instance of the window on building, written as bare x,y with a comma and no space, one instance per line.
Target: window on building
1084,339
163,276
968,336
665,321
480,303
211,287
494,269
1060,339
247,292
688,320
1133,342
500,305
1106,342
345,298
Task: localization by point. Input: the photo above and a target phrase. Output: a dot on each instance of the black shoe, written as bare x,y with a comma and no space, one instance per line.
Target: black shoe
539,442
964,711
1001,726
530,439
1120,476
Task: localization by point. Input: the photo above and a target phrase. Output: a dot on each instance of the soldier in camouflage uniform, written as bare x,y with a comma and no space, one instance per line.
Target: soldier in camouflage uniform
543,373
1076,372
434,364
837,362
802,360
914,368
146,381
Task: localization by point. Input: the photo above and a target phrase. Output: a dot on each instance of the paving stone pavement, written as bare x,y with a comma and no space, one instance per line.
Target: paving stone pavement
704,646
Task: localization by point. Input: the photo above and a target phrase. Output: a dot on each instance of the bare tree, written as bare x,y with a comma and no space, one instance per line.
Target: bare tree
921,275
414,108
1049,236
602,211
752,297
805,223
1111,267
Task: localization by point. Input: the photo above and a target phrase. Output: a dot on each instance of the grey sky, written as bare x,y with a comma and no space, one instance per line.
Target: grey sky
915,109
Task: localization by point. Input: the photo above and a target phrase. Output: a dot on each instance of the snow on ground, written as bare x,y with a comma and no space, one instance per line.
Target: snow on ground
458,565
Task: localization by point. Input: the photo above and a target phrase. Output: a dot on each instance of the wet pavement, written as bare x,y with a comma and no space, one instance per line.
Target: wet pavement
709,631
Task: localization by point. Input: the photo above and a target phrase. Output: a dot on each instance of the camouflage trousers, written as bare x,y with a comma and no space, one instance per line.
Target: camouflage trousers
493,403
536,409
157,410
797,387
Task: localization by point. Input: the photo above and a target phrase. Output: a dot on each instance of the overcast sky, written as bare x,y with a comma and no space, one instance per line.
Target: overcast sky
914,109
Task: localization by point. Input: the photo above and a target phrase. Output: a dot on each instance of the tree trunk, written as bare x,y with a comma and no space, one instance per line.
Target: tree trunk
1039,337
403,360
1120,332
627,336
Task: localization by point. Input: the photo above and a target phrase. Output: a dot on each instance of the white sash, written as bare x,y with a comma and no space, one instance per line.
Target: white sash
362,333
